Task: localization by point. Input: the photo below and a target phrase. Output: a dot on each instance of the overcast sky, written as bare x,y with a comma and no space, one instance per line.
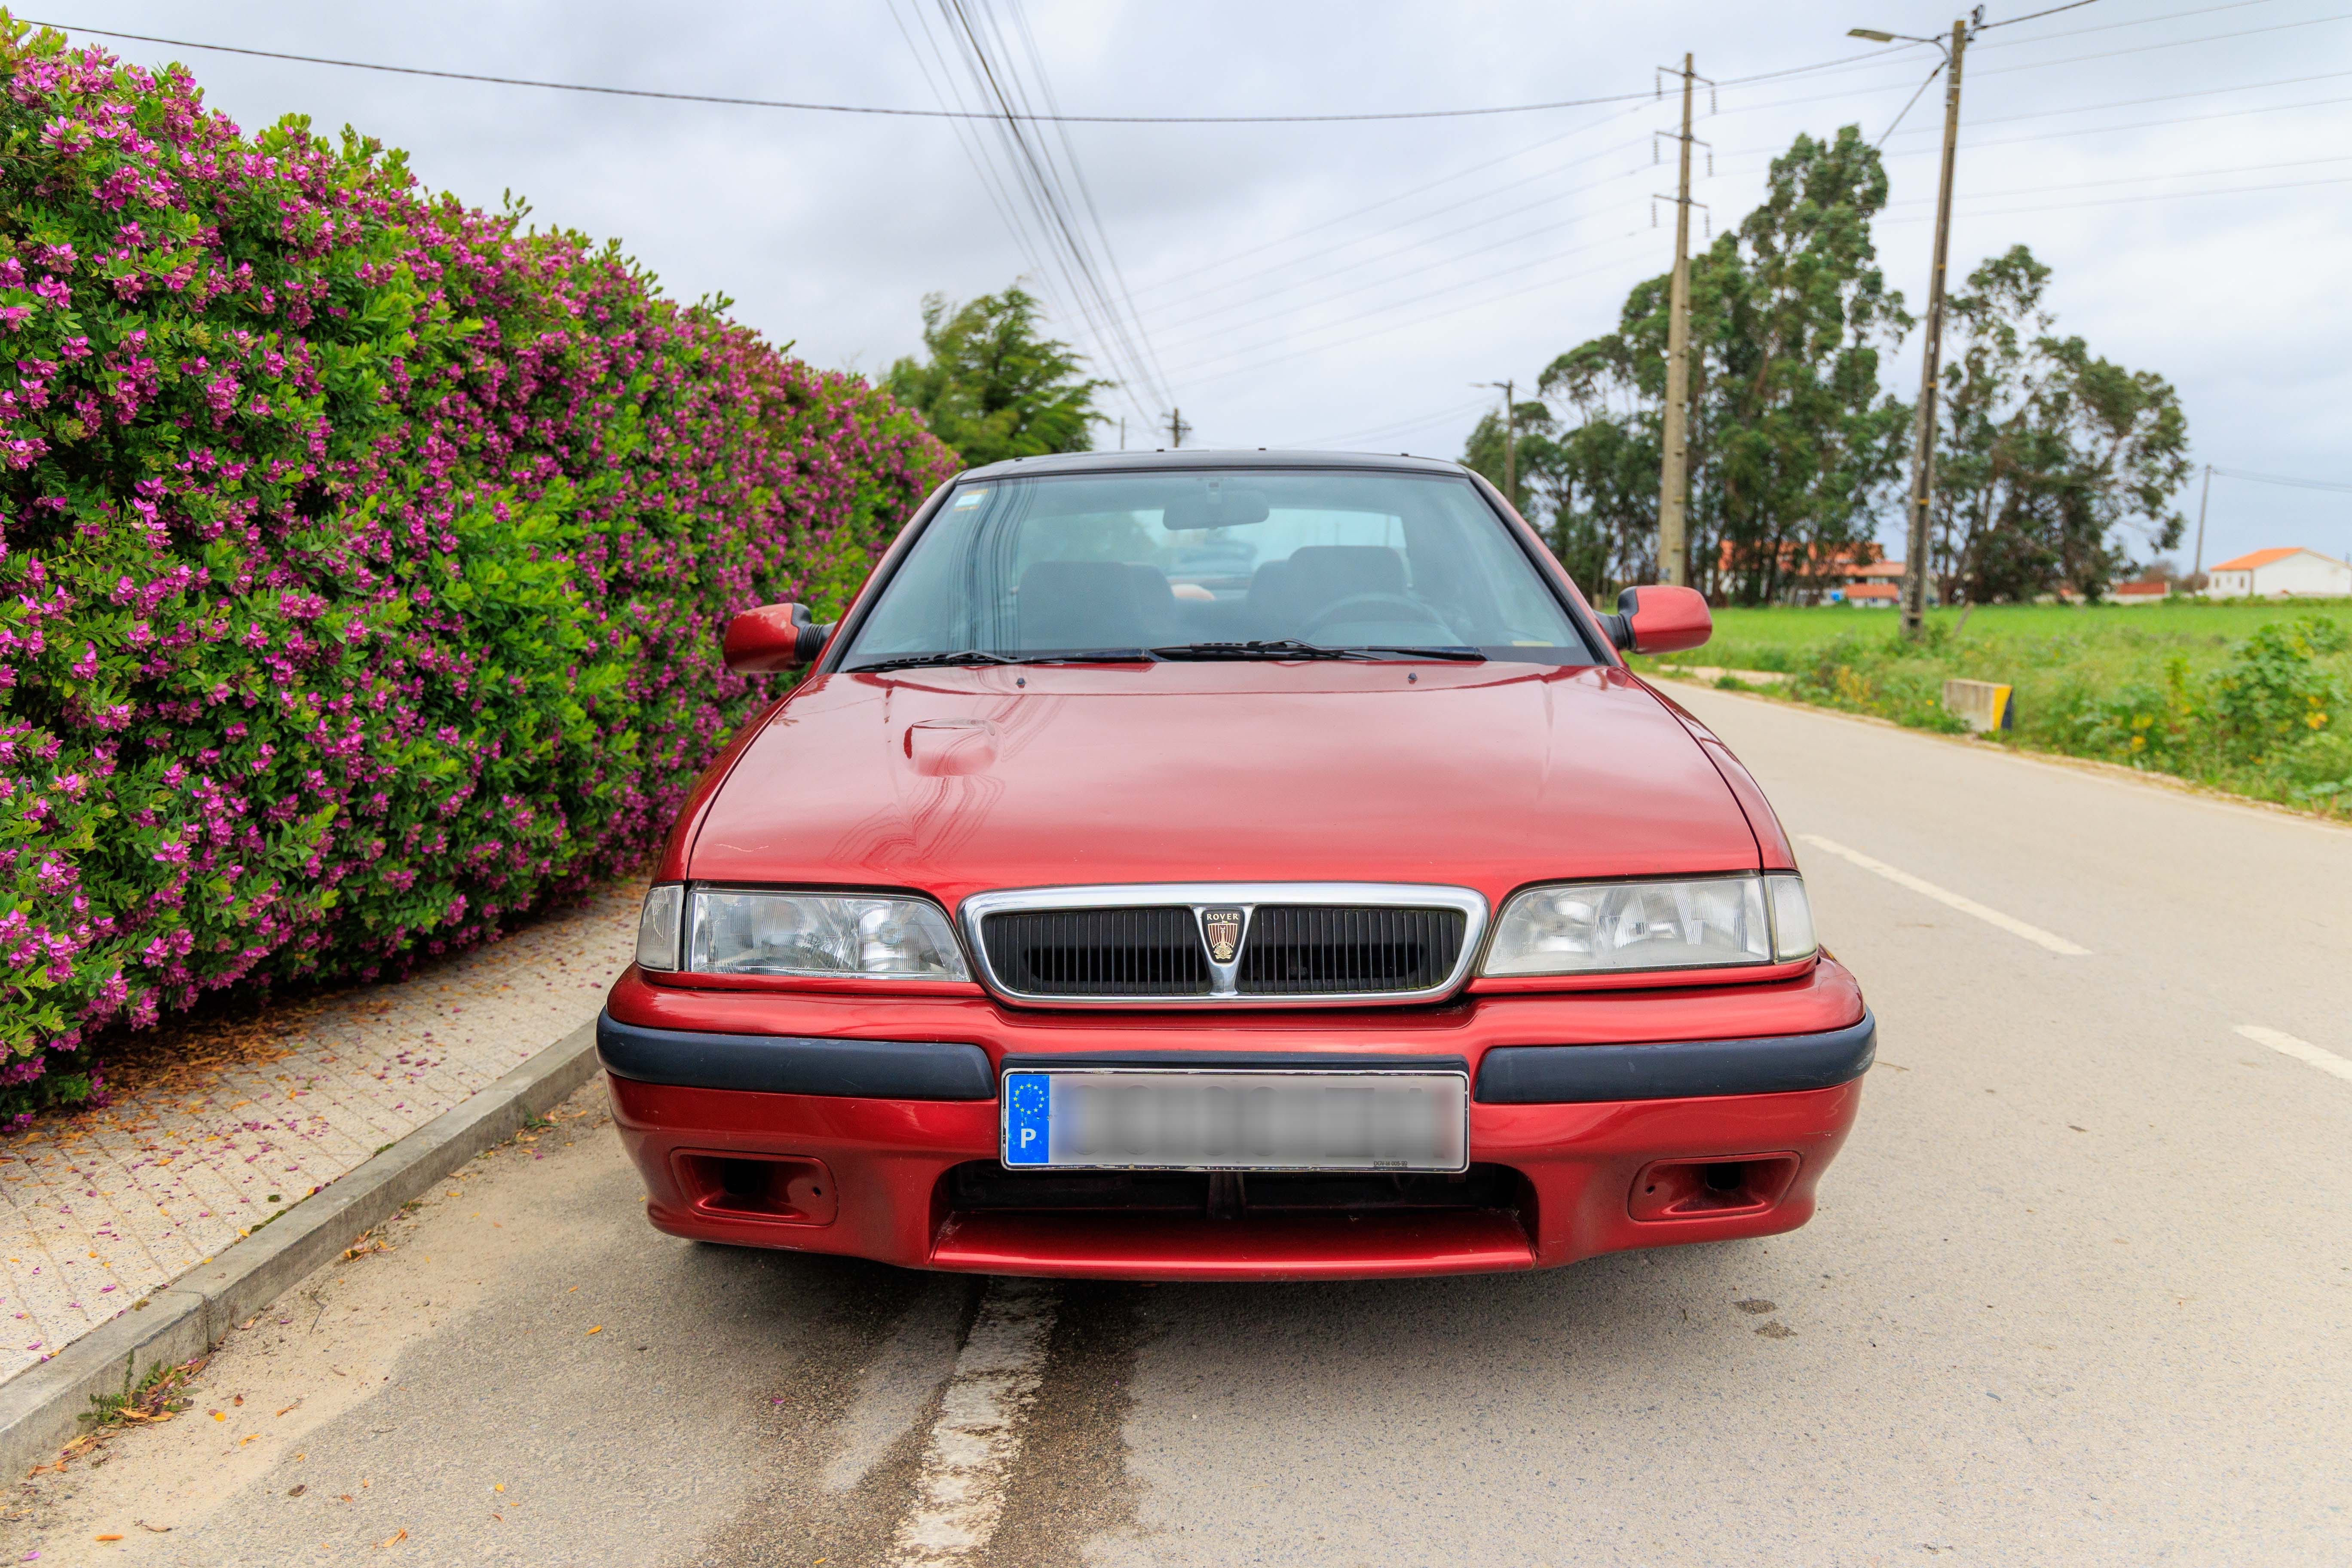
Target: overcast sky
1280,304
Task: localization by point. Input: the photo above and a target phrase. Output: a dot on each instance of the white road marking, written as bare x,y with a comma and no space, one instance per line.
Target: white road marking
960,1489
1961,902
895,1387
2301,1050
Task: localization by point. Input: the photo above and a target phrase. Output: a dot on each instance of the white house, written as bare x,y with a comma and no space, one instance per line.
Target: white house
2288,572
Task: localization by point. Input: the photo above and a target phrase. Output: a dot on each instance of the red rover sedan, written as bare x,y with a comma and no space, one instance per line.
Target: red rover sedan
1205,865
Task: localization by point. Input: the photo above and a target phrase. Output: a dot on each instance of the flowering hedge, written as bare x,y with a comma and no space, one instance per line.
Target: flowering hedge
363,557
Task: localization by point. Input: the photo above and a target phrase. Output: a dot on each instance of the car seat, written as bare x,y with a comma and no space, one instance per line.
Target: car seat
1094,604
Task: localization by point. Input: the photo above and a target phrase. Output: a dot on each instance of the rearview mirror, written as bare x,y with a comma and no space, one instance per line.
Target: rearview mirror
1660,618
775,638
1213,506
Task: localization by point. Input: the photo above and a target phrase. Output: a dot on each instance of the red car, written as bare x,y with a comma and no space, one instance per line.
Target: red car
1228,865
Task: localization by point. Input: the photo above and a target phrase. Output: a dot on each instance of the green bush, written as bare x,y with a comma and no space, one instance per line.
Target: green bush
2234,696
364,558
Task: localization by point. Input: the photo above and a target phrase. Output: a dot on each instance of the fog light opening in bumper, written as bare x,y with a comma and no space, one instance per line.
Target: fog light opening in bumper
782,1189
1711,1188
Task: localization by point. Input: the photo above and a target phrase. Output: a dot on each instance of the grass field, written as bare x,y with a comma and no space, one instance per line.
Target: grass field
2248,697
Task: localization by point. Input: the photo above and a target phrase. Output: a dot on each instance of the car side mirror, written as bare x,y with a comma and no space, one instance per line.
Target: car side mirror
1660,618
775,638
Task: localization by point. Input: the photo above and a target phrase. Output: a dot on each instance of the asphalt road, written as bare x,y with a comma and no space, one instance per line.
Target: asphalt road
2079,1291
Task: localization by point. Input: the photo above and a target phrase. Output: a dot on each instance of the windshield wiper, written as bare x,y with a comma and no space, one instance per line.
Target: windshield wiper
981,656
1466,655
1291,647
1277,647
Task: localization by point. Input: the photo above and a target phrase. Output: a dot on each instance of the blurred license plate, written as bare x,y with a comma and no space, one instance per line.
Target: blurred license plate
1164,1119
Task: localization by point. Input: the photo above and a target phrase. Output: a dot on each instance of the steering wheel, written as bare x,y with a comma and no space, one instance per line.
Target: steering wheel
1401,609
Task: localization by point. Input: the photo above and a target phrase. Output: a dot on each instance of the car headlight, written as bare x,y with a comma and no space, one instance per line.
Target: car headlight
849,936
1711,922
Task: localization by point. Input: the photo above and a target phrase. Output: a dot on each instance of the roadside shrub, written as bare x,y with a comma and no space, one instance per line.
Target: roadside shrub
363,556
2271,707
1868,673
2275,694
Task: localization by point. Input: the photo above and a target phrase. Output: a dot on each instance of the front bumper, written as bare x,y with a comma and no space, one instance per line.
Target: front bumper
1598,1122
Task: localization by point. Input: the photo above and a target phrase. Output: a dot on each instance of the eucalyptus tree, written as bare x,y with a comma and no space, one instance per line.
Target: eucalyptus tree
1793,447
993,385
2055,462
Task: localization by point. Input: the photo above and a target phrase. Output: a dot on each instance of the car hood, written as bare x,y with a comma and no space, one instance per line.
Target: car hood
958,780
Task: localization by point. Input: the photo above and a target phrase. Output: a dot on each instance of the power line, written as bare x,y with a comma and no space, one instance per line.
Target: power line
1053,116
2104,26
1085,193
972,151
1741,156
1197,365
2161,98
1192,273
1387,278
2144,196
1529,179
1395,427
1422,319
2035,15
816,107
992,183
1497,217
2037,65
1907,102
2282,479
2136,179
2153,124
1045,187
2169,44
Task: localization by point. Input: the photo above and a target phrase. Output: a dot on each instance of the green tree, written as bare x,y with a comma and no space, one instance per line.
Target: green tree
1591,489
994,386
2051,458
1793,446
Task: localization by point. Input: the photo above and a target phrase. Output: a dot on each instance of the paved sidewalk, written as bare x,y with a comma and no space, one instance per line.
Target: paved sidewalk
96,1212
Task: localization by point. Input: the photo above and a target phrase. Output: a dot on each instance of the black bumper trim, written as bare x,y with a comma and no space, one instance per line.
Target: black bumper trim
791,1064
1681,1069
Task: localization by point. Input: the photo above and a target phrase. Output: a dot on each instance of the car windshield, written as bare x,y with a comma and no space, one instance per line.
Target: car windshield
1203,562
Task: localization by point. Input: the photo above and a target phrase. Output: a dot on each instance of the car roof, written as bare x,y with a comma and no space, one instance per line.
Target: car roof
1207,457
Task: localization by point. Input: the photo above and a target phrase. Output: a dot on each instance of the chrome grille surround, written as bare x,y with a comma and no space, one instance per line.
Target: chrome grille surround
1225,898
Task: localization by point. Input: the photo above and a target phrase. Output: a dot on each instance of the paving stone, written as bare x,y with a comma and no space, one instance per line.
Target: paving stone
107,1209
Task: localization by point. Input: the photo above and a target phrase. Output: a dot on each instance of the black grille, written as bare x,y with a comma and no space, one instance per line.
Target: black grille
1304,952
1098,953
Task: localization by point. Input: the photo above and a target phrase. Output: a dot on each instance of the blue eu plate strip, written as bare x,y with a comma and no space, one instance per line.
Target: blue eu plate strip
1028,1118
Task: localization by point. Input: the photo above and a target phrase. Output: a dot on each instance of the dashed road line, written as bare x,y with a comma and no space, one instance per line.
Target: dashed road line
2326,1060
1961,902
969,1455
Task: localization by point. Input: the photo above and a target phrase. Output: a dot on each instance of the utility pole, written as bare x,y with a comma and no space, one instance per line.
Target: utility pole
1673,436
1923,460
1177,429
1122,432
1510,437
2203,496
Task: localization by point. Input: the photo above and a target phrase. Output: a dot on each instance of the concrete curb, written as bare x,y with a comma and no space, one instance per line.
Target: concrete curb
41,1408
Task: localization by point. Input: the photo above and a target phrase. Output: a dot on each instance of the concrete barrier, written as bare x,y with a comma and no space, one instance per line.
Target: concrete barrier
1984,704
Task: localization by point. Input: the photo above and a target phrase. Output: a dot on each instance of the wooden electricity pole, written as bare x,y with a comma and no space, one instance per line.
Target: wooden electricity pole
1177,429
1509,389
2196,566
1673,436
1923,461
